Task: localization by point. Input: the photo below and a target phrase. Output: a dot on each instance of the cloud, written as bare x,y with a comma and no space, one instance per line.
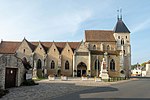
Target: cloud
141,26
23,25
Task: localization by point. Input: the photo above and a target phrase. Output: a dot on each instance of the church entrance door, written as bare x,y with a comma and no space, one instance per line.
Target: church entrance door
81,69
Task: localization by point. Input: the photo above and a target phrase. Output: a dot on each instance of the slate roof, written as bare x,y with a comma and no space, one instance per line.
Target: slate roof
99,36
121,27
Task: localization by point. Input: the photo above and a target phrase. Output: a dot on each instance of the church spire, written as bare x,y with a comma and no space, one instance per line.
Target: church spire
119,14
120,26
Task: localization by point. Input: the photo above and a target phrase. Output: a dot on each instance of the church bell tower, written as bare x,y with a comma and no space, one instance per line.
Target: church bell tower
122,36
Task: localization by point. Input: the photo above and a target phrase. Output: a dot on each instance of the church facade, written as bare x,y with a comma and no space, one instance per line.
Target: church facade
75,59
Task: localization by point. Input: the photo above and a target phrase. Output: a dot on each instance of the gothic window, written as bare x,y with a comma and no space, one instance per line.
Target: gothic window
118,37
94,47
126,37
97,64
112,65
24,59
122,42
39,64
124,51
52,64
67,65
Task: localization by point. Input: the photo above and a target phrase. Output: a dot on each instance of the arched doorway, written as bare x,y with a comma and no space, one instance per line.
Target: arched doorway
39,64
81,69
39,69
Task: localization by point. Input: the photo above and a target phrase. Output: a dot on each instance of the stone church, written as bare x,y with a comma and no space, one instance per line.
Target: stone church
72,59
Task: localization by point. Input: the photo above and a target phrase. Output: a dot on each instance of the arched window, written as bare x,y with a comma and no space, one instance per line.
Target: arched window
108,47
39,64
102,46
122,42
52,64
24,50
24,59
124,51
112,65
94,47
97,64
67,65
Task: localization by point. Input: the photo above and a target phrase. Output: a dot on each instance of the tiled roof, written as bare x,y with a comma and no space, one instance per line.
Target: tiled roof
9,47
74,45
99,36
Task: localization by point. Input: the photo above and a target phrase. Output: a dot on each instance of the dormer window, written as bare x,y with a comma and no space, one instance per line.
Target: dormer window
68,50
54,50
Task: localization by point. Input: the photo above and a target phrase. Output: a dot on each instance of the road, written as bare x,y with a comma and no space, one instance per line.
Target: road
135,90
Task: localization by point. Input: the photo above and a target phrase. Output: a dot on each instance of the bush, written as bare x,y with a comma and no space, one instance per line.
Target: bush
29,82
3,92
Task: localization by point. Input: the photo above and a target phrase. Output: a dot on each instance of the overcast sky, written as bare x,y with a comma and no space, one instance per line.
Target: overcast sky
66,20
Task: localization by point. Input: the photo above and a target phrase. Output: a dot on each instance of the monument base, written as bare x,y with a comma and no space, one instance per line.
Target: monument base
122,75
104,74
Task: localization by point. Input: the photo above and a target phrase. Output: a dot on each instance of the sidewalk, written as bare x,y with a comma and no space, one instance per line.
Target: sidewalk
79,81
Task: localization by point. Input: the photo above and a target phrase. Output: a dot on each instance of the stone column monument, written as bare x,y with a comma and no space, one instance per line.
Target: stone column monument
104,66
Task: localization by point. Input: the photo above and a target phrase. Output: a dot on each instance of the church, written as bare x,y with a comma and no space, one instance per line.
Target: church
108,48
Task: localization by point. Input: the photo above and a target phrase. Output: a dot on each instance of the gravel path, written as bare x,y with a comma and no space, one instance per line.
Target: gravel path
50,89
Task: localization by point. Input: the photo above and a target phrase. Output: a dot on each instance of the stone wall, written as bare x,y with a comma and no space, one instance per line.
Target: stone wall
67,55
116,72
82,54
10,61
53,55
101,45
2,76
24,51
